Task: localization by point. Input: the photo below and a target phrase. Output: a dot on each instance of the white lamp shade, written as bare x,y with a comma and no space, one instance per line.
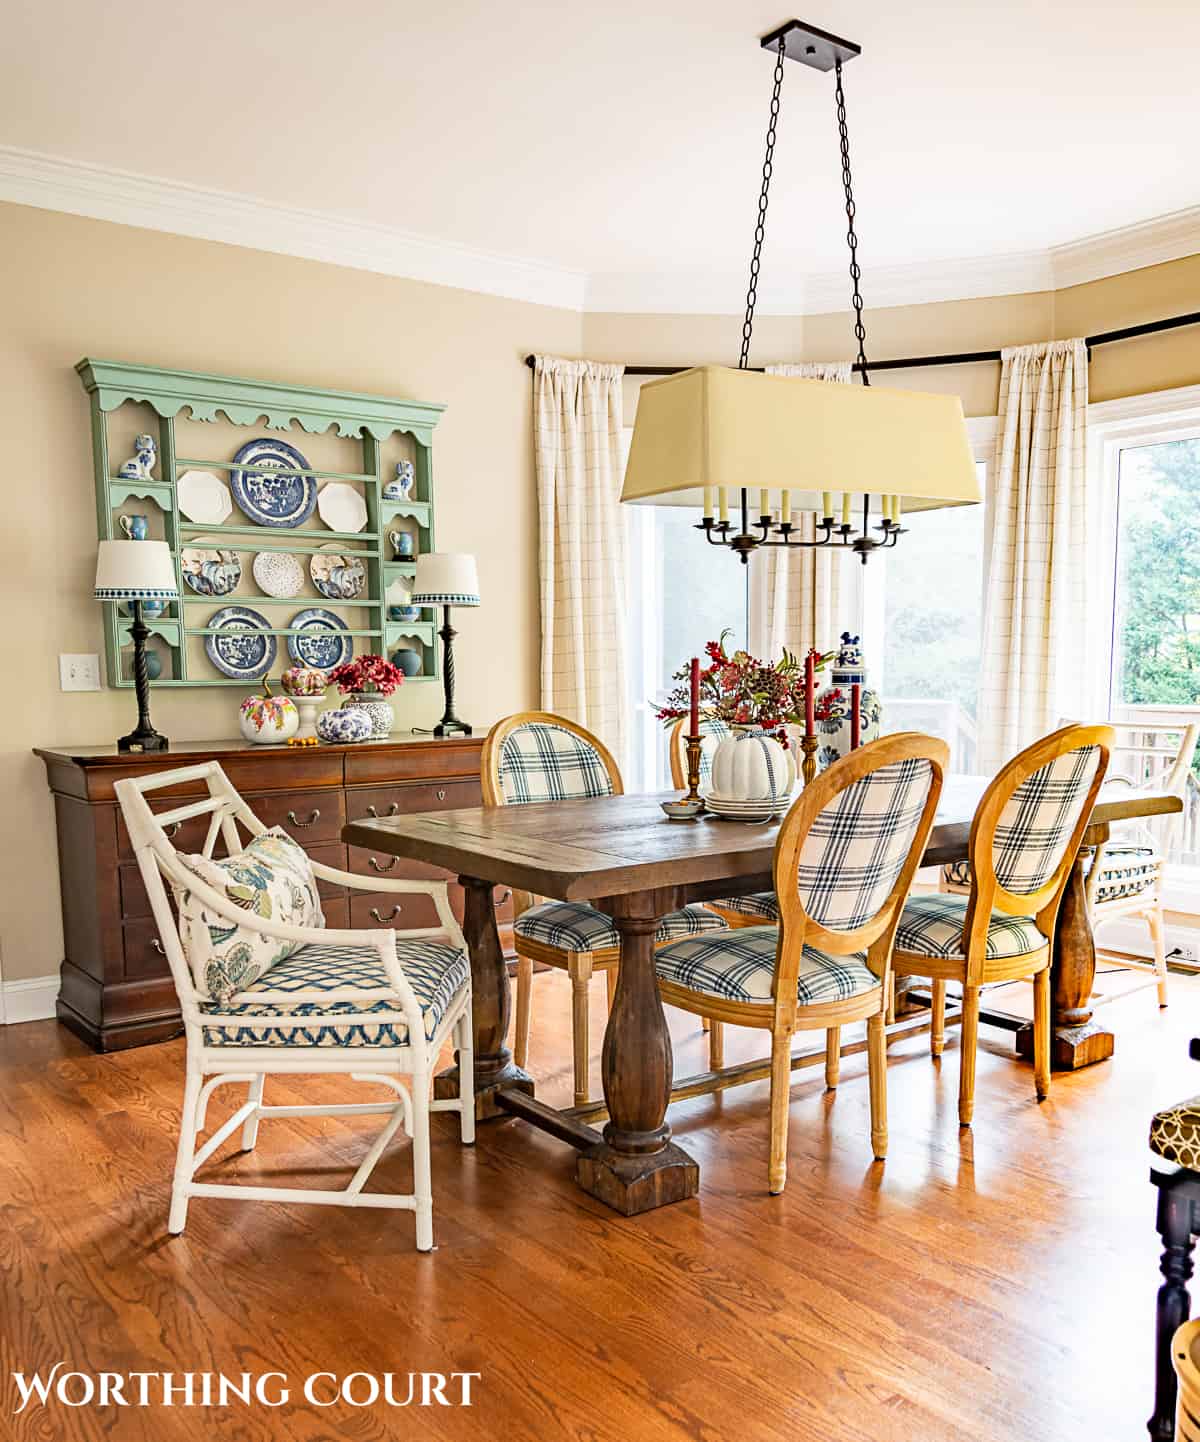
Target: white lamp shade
446,578
135,571
713,426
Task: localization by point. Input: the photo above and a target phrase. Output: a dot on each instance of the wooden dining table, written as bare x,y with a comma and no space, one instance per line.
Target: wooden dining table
622,855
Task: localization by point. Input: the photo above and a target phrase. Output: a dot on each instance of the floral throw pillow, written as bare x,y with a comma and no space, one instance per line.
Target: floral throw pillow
272,879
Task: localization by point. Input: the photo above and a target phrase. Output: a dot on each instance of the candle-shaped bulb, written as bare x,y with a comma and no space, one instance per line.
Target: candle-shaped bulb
846,508
723,505
827,505
708,503
785,507
896,509
764,503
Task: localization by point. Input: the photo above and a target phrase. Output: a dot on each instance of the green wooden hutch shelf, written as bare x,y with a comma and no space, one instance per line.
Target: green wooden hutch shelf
257,407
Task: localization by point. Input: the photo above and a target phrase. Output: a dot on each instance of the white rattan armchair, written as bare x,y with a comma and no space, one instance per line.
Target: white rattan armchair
368,1014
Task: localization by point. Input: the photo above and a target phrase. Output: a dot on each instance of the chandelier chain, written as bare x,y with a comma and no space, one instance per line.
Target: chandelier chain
856,300
760,228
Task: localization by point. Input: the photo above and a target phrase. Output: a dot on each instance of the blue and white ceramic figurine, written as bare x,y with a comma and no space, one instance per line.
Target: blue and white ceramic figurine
401,488
833,704
141,467
347,725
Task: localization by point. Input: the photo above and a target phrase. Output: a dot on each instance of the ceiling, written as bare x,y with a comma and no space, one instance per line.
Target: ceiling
620,144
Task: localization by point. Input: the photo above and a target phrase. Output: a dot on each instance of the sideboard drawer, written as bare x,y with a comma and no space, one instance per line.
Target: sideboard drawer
186,836
144,953
307,815
366,803
385,908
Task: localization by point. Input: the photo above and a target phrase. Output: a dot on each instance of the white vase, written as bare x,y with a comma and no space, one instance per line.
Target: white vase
751,766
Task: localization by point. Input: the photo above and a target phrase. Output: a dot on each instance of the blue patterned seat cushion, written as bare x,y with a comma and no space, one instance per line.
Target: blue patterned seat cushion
1126,871
575,926
740,966
436,972
763,904
933,926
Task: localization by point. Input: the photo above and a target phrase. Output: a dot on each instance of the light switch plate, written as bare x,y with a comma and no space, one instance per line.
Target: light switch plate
79,673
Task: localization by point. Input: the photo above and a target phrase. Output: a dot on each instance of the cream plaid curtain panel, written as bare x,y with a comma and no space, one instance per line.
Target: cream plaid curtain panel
1039,651
577,436
798,598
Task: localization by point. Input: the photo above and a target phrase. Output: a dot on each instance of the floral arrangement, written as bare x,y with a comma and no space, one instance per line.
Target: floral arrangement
741,690
366,675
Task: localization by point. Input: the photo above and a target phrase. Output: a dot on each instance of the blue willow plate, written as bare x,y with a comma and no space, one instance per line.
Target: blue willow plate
324,644
241,657
282,499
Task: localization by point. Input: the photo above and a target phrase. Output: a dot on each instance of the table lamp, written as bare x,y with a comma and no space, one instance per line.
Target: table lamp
137,571
447,579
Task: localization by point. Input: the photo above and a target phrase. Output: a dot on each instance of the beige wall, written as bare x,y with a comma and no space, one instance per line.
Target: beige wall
71,287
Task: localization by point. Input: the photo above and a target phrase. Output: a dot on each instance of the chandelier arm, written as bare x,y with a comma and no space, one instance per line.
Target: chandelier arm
760,227
856,300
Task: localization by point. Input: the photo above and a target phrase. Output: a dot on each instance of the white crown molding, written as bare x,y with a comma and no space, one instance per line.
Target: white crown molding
30,178
50,183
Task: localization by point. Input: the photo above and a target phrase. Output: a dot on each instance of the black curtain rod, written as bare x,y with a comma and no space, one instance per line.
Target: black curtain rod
1129,332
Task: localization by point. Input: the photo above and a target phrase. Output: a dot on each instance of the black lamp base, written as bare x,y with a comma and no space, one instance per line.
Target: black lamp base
452,727
143,741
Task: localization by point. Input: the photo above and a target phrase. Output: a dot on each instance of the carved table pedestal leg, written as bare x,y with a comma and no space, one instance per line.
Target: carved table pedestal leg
1076,1040
491,1005
637,1167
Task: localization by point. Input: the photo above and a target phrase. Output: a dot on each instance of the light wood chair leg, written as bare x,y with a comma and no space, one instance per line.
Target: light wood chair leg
967,1049
580,968
610,981
877,1076
891,1005
937,1020
716,1045
833,1056
781,1082
1041,1033
524,1004
1158,938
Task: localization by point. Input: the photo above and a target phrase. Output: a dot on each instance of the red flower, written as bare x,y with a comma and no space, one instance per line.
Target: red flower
367,674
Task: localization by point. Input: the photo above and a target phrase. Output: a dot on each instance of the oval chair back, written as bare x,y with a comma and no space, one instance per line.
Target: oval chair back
1027,831
538,756
714,732
848,850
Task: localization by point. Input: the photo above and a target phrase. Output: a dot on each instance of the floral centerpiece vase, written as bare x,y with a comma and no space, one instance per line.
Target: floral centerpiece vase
366,683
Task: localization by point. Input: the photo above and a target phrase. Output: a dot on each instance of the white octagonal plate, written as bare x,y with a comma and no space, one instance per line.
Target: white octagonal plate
341,507
204,498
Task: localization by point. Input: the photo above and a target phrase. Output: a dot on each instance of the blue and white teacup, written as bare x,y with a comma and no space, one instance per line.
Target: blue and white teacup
136,528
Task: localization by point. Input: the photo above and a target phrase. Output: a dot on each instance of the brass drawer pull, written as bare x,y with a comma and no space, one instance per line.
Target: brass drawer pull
500,900
391,811
173,829
376,865
441,796
395,912
156,945
312,820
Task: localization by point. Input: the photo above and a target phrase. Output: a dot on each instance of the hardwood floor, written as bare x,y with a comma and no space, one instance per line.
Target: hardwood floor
994,1285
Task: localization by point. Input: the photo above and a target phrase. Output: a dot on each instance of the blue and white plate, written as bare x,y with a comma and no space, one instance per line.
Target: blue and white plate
324,644
241,657
282,498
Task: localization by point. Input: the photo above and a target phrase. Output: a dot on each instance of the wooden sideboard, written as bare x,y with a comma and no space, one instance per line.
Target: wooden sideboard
116,989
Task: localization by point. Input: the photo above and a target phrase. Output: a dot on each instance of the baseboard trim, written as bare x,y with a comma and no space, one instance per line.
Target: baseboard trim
29,1000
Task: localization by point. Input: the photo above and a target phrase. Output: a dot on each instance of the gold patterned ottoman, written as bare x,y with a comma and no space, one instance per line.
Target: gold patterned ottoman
1175,1134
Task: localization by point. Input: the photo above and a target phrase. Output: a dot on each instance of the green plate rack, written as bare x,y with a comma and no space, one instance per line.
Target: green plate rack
260,405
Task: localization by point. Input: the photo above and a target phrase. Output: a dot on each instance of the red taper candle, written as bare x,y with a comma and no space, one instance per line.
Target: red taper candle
855,716
694,718
810,699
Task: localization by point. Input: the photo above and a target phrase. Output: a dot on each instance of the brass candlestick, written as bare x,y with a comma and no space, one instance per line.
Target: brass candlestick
693,768
808,768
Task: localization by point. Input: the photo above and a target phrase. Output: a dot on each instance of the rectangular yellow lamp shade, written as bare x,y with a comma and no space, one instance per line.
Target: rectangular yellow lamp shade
714,426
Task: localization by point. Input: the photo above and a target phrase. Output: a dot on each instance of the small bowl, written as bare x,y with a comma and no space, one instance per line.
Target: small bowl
682,810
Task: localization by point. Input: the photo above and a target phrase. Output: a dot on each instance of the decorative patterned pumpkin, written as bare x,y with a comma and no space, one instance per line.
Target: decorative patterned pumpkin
304,681
750,766
269,720
348,724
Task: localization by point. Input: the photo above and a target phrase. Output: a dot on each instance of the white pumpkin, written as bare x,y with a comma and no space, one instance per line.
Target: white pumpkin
749,766
268,720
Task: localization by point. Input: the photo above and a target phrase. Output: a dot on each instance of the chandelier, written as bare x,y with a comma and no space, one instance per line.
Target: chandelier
842,453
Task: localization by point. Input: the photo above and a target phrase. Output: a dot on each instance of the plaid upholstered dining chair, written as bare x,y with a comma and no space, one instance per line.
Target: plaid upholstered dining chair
533,757
844,861
1024,839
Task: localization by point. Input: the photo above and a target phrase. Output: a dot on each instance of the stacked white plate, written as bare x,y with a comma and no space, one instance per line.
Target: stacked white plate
760,809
